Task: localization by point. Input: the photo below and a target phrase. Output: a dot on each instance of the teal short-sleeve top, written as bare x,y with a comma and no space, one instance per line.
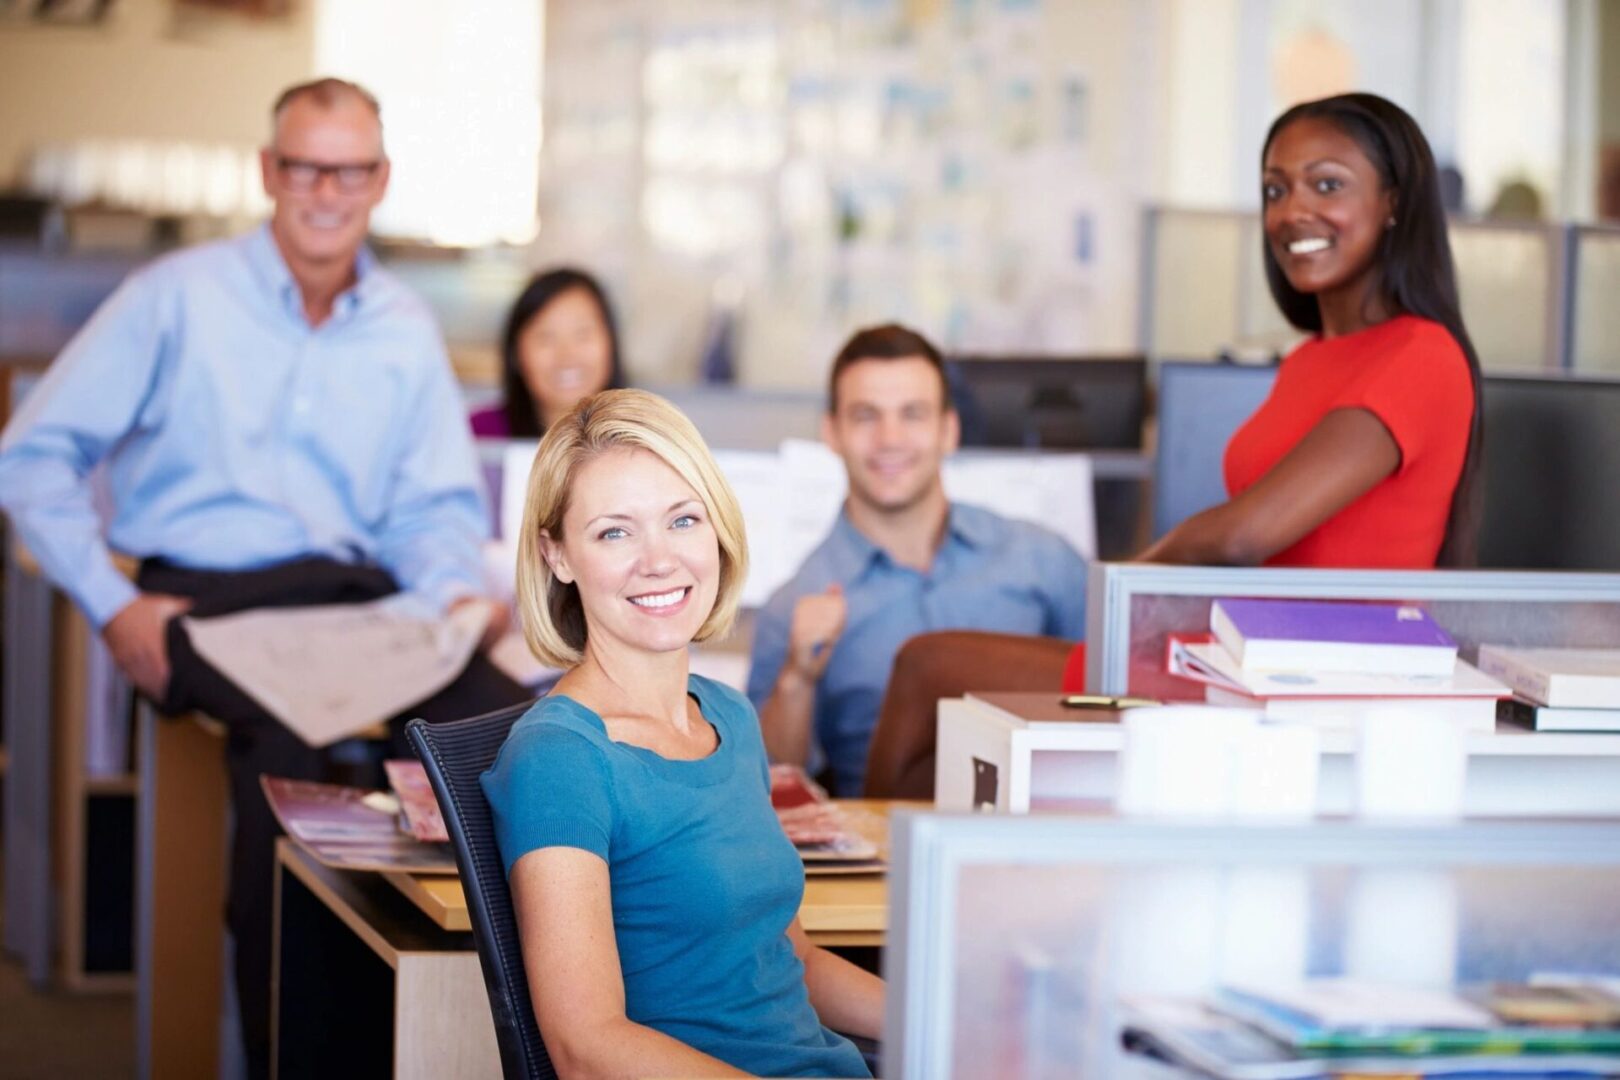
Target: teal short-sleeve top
704,881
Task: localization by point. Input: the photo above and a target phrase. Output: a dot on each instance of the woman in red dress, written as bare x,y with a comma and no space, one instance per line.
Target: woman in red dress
1367,452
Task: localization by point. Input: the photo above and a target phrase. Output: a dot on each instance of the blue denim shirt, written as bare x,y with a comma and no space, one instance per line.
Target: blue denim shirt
989,574
237,436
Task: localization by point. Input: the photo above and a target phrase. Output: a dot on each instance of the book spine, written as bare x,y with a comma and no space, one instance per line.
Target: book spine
1226,631
1530,683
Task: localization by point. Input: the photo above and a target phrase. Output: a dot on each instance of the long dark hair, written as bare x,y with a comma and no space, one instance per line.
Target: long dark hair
1415,271
522,419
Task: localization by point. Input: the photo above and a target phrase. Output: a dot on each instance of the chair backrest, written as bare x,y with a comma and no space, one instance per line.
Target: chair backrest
454,755
942,664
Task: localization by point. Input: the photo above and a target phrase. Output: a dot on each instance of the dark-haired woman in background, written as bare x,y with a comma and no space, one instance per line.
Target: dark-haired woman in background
559,347
1367,452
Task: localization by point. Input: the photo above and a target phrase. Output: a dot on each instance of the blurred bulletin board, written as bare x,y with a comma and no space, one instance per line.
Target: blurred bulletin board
807,166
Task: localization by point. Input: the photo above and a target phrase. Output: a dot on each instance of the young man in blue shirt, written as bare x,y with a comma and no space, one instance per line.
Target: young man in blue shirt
902,559
279,425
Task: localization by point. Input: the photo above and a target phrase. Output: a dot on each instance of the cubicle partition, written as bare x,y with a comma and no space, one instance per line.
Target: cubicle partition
1594,317
1535,296
1018,944
1132,608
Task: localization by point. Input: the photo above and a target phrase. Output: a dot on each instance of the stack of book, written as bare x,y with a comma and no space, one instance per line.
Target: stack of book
1339,1027
1327,662
1559,689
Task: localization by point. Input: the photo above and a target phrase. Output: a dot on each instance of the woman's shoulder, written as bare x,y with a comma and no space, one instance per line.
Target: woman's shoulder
556,731
1417,333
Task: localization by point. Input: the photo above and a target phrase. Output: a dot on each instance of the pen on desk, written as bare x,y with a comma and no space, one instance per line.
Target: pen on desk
1104,701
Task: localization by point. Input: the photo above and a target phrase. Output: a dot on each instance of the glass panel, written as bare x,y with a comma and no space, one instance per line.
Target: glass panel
1505,280
1039,983
1596,330
1470,622
1195,302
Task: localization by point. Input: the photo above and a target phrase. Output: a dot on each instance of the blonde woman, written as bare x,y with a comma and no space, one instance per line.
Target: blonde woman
656,894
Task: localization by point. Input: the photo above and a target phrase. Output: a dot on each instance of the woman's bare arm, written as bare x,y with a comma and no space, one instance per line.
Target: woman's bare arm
846,998
565,921
1340,459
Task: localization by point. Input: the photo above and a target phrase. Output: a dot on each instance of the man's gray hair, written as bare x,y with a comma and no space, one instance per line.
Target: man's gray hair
326,93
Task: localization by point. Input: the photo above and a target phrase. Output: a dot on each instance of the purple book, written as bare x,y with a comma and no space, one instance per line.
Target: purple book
1333,636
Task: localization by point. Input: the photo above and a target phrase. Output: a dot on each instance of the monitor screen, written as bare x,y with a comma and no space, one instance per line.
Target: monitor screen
1200,405
1552,474
1054,403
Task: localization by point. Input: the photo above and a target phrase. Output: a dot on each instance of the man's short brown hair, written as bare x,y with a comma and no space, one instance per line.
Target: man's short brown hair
891,341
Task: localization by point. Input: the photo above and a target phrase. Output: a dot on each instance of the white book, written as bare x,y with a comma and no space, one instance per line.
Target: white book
1470,714
1549,718
1209,662
1562,678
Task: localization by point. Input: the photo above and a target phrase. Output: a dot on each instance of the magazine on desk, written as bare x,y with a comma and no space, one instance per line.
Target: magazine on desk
1337,1027
827,838
350,828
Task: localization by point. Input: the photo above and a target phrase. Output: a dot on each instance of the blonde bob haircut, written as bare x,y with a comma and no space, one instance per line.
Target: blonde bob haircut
553,617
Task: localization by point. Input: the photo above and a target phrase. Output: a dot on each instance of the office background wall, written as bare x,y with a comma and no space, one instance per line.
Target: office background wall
756,177
149,70
787,171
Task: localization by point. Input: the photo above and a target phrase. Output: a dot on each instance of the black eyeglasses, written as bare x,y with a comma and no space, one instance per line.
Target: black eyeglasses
305,176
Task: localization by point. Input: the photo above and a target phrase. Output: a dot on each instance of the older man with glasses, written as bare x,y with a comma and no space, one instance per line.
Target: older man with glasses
280,426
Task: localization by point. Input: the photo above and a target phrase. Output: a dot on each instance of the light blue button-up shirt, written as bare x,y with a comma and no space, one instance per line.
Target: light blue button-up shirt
237,436
989,574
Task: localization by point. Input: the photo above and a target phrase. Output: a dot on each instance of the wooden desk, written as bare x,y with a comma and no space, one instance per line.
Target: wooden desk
838,910
378,972
183,838
364,984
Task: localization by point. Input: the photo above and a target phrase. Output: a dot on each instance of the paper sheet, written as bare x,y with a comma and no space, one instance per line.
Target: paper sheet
330,671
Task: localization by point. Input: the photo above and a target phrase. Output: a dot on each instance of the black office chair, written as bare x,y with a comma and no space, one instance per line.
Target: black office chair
454,755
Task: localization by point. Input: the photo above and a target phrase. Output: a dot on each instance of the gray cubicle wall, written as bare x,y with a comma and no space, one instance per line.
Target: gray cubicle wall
45,298
1200,406
1015,940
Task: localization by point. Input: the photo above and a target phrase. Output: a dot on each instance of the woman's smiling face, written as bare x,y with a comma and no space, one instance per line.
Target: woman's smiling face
1325,208
565,352
638,544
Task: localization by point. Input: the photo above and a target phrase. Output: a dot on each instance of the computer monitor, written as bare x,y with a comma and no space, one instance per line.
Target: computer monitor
1552,474
1050,403
1201,405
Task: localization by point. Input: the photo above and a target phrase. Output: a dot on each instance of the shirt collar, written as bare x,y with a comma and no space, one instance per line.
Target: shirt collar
852,553
849,551
972,527
266,259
